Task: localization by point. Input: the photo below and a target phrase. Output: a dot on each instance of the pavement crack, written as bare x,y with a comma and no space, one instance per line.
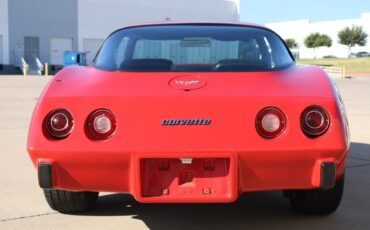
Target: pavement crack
360,159
26,217
356,166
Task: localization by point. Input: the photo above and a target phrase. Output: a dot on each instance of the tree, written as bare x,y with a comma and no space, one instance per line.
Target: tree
351,36
291,43
316,40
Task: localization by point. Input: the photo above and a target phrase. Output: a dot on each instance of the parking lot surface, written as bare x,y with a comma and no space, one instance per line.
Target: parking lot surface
22,205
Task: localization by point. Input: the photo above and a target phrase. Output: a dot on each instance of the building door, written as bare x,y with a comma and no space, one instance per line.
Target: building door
57,48
91,47
1,50
31,48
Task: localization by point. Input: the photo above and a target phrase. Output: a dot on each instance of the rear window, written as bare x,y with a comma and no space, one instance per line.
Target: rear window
193,48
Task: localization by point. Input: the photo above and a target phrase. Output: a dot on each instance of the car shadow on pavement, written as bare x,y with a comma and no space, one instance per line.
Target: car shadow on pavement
257,210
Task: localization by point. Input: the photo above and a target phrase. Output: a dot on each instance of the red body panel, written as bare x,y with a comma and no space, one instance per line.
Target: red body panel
231,100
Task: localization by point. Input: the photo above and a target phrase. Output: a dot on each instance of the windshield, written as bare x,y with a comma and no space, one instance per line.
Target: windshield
193,48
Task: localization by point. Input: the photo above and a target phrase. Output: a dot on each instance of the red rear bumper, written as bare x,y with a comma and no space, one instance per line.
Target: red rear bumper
210,177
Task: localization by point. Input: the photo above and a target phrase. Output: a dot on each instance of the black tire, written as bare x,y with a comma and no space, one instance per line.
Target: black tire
70,202
317,201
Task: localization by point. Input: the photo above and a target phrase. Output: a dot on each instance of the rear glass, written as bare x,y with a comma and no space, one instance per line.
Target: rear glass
193,48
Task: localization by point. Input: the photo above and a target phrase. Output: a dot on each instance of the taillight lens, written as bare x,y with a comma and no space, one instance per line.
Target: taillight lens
314,121
59,123
270,122
101,124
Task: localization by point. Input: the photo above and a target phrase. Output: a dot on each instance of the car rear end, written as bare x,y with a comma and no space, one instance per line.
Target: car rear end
205,128
235,130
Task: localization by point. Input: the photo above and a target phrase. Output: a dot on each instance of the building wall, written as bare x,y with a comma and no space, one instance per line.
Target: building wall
43,19
88,22
97,19
366,25
4,32
300,29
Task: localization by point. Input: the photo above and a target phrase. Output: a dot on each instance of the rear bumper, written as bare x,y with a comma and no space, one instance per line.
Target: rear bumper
233,173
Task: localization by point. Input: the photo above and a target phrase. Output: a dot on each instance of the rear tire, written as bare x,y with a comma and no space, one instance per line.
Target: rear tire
70,202
317,201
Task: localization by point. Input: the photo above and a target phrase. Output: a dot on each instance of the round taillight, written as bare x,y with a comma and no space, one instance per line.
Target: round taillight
59,123
270,122
314,121
101,124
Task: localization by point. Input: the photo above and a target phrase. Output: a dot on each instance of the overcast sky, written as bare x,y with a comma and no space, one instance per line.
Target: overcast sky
264,11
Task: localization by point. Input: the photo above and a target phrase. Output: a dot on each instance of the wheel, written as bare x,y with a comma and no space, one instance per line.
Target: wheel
317,201
70,202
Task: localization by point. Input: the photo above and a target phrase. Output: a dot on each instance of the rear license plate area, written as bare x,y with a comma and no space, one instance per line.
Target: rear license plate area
195,178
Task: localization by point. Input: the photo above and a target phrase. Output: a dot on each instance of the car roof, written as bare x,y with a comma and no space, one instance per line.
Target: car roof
161,23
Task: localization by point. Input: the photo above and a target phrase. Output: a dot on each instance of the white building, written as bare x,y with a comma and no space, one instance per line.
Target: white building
97,18
4,32
300,29
46,29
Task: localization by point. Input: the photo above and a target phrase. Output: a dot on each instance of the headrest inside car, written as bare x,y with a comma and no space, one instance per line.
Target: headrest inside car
237,65
149,65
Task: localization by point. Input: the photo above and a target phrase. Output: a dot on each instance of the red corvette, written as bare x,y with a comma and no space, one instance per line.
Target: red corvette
190,113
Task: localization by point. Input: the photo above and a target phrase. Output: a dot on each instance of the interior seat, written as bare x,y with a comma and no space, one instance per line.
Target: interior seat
147,65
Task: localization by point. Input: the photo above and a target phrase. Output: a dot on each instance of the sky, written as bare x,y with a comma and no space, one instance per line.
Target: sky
265,11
